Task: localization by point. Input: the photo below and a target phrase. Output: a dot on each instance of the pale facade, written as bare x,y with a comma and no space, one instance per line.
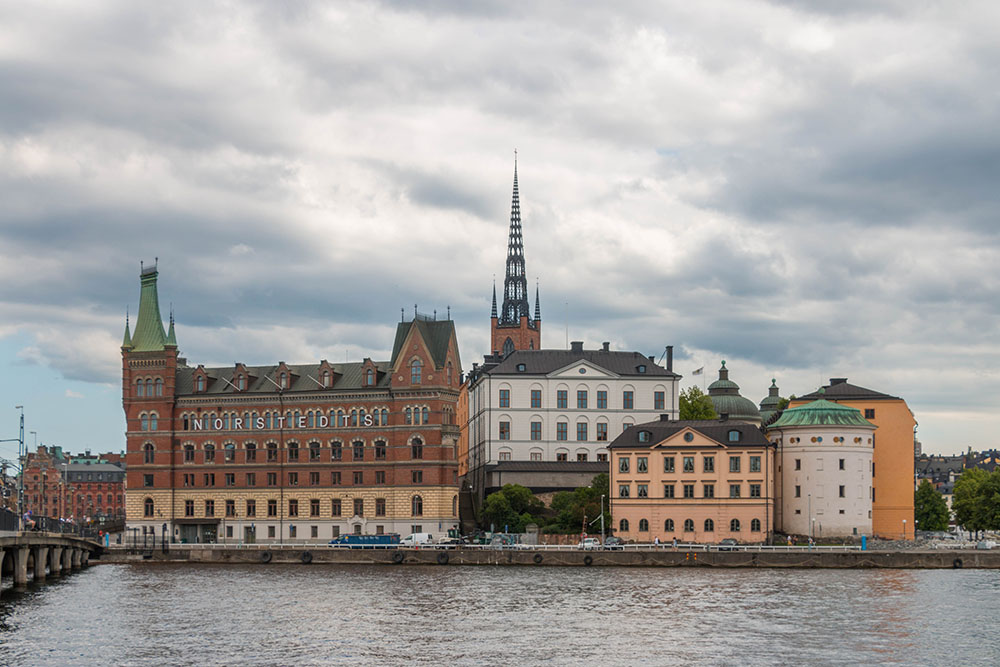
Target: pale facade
693,481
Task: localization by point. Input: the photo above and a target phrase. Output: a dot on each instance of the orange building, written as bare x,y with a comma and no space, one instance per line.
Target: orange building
892,456
694,481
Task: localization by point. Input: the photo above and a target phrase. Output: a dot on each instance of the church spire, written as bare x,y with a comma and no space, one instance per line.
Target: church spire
171,337
493,313
538,309
127,340
149,334
515,285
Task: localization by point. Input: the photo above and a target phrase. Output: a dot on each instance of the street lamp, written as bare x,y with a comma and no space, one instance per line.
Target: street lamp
904,529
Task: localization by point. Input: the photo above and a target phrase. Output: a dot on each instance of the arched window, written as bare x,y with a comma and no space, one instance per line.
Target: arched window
370,377
416,368
623,524
144,422
417,506
508,348
283,383
314,451
709,525
449,372
734,526
425,416
241,383
272,452
152,422
209,453
147,507
149,387
293,451
407,416
188,453
417,448
754,525
643,526
326,378
230,452
199,384
251,449
688,525
159,387
139,388
147,453
385,417
668,525
111,499
354,417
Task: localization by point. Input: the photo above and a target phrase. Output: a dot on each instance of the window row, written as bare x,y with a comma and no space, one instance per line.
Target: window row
735,525
148,387
313,451
688,464
274,419
688,490
313,478
312,508
561,455
581,434
582,399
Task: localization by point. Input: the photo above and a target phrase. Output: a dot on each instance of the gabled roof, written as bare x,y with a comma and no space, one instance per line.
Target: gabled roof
714,429
305,377
436,334
840,390
543,362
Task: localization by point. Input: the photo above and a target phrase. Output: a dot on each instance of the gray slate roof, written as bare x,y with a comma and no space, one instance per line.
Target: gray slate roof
349,376
716,429
543,362
840,390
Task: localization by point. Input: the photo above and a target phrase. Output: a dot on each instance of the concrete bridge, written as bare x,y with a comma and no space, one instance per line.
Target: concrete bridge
34,556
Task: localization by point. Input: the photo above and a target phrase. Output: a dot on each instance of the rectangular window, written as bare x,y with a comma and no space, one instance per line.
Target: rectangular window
869,413
379,450
842,464
293,479
755,490
581,456
536,398
335,478
581,399
251,479
562,429
602,399
688,464
380,477
628,400
562,456
230,479
689,490
581,432
314,479
505,430
734,464
602,456
359,507
657,400
623,464
642,490
230,508
293,507
417,476
188,508
358,451
642,464
708,463
209,479
535,456
209,508
798,464
734,490
251,508
623,490
270,532
798,491
292,531
359,477
314,507
504,456
668,464
335,508
147,480
380,507
843,492
272,508
505,398
754,464
668,490
536,430
561,399
602,432
709,490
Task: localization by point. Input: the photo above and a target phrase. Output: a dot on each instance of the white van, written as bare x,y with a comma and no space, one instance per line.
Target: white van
416,539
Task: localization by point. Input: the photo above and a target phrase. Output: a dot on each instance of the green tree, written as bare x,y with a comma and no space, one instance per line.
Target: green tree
512,507
695,404
929,508
571,507
966,503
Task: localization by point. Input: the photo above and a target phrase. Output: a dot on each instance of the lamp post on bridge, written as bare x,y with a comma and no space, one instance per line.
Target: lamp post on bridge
20,461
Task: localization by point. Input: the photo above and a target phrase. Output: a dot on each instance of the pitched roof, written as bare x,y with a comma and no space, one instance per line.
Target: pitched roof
840,390
543,362
715,429
436,334
149,335
305,377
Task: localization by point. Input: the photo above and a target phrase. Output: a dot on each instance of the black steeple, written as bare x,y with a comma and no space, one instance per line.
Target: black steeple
538,309
515,285
493,313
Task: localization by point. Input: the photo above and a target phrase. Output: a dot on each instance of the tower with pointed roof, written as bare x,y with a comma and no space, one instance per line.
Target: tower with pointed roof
512,326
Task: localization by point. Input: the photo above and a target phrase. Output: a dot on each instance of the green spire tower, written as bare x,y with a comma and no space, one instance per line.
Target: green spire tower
149,334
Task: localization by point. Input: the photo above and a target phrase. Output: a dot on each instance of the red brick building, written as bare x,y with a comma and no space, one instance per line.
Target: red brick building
290,452
83,488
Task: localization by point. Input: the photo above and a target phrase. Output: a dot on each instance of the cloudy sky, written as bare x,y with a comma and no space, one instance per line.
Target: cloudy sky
804,192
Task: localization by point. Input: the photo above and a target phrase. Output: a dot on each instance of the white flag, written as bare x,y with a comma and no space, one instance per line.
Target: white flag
699,371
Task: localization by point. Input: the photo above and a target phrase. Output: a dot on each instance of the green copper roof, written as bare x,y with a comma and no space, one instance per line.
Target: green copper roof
127,340
822,413
726,399
149,334
171,337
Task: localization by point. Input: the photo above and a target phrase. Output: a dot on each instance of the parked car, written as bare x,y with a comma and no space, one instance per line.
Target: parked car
449,543
589,544
614,544
417,540
728,544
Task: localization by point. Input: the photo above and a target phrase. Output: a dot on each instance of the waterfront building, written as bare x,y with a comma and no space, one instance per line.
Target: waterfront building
892,455
693,481
62,486
290,452
824,470
727,401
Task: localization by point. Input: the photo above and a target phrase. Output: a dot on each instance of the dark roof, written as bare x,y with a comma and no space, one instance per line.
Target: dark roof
595,467
305,378
93,467
716,429
436,334
840,390
543,362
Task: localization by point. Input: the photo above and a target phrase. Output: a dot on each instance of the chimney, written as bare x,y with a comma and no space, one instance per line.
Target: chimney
652,358
724,417
576,346
606,346
670,358
664,418
834,381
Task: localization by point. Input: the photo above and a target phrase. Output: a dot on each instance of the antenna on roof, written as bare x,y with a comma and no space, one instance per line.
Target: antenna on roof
402,314
449,312
435,314
414,311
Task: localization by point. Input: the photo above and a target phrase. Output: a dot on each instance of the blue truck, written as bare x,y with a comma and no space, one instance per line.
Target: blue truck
385,541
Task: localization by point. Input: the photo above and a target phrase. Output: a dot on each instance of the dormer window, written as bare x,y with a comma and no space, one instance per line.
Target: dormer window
241,382
326,378
644,436
416,369
521,368
283,381
642,368
199,384
370,377
734,436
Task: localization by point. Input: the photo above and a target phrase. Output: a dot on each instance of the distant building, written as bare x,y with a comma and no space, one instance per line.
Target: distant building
95,489
63,486
769,404
696,481
728,402
892,455
824,470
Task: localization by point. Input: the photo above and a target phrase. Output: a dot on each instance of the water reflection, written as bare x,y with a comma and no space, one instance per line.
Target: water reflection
290,614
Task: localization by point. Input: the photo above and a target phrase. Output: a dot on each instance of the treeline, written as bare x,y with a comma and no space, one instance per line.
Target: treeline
513,507
976,500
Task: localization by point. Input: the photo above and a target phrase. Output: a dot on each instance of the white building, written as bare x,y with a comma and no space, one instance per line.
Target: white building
544,418
824,476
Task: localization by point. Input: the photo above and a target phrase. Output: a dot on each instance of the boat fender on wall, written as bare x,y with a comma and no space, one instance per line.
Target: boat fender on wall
306,557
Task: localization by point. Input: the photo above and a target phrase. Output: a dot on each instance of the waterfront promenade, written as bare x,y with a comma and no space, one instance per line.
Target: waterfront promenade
632,556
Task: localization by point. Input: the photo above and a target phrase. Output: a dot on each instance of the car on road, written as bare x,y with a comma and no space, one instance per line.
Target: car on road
448,543
728,544
614,544
589,544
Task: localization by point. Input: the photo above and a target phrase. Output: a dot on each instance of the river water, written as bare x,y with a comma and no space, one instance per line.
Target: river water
368,614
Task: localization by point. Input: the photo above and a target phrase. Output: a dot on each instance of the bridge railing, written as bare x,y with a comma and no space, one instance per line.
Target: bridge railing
8,519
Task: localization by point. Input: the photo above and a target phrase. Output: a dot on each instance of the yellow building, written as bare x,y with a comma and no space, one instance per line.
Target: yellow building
892,456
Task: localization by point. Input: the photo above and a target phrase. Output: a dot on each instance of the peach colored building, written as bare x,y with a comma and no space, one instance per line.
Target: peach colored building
696,481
